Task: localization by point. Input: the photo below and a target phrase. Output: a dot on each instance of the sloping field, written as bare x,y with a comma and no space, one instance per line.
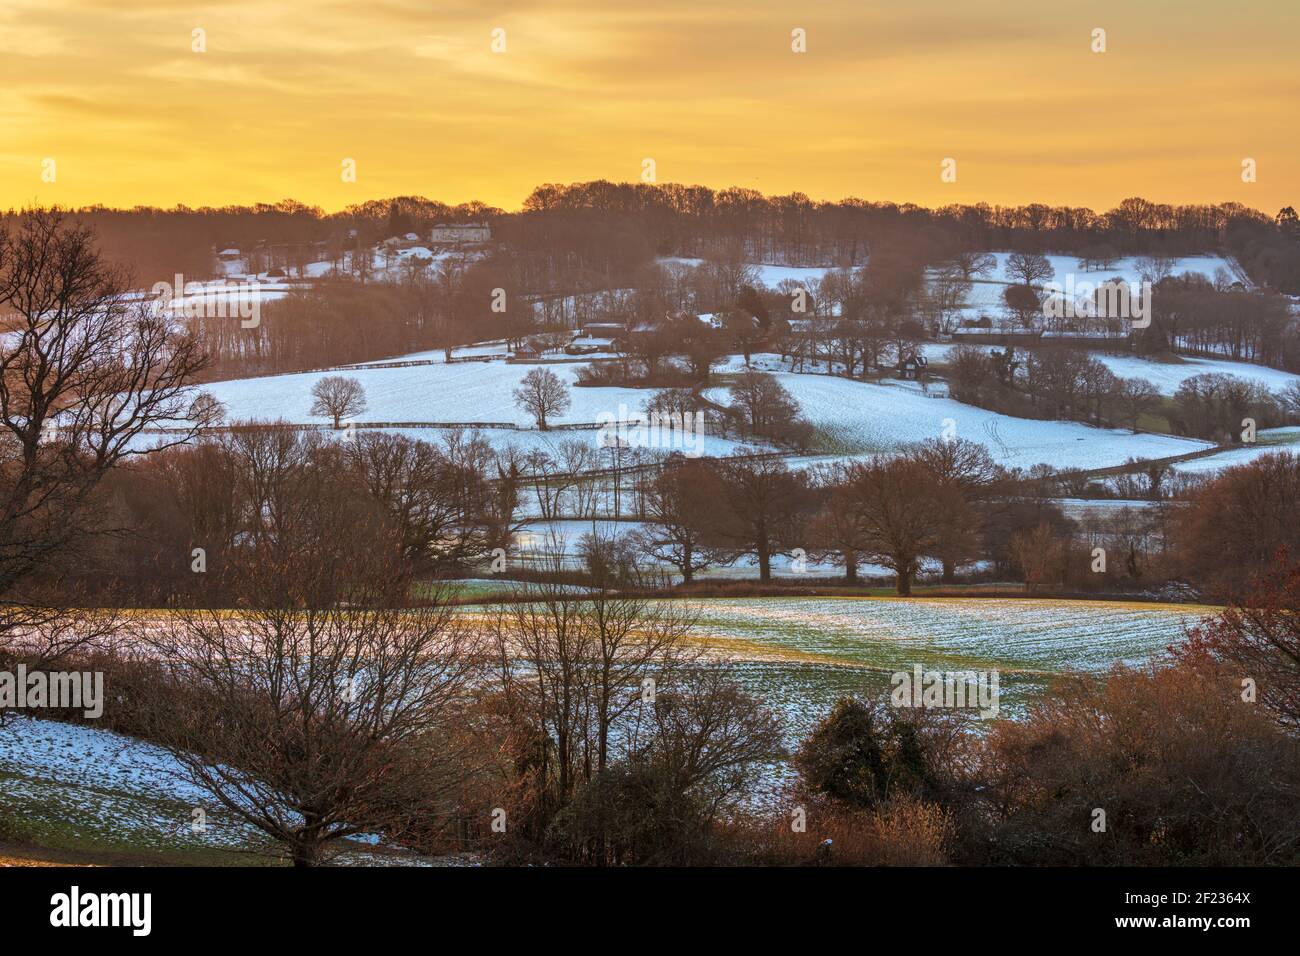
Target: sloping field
1165,376
469,392
801,654
986,293
76,787
863,418
1018,634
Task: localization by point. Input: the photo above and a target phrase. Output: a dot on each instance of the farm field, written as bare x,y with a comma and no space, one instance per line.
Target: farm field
469,392
801,654
986,292
863,418
1269,440
804,653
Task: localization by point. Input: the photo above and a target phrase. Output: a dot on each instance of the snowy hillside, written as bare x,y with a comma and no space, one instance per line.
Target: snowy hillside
986,292
861,417
468,392
1166,376
95,788
769,275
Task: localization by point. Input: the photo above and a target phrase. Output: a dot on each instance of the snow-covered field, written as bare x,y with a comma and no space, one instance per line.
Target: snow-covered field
1018,634
855,417
102,785
1165,375
862,417
769,275
1270,440
466,392
986,292
78,785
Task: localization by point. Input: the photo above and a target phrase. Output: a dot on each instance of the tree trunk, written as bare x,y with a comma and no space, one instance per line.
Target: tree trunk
850,568
764,565
905,583
306,855
949,571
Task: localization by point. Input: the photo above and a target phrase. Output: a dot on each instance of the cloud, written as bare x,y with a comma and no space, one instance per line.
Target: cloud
587,88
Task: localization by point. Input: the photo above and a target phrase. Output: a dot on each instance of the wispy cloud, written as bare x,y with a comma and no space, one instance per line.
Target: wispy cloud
708,88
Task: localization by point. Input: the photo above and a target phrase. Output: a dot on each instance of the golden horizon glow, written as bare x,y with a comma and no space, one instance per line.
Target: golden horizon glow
710,90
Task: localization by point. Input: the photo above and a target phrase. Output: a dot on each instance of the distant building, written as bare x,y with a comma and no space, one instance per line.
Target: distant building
460,233
604,330
911,366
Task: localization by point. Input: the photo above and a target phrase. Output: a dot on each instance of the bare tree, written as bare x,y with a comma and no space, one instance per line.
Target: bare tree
893,504
964,475
438,497
680,500
84,371
767,408
1029,268
575,667
314,723
338,397
762,510
1288,399
972,265
542,394
1133,398
1155,269
1040,554
206,410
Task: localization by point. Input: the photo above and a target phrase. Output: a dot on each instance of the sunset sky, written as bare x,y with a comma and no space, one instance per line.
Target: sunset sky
112,92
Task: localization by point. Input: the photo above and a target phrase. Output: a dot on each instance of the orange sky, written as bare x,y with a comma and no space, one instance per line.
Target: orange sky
112,92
